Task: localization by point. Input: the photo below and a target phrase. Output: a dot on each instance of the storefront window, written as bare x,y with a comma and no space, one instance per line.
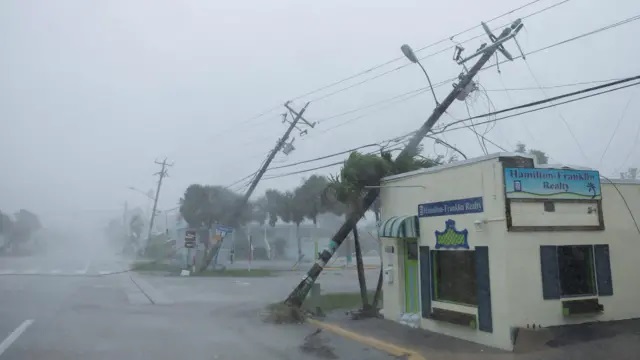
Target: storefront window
454,276
575,265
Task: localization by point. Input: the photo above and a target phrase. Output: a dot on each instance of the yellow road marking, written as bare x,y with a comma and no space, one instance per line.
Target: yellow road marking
392,349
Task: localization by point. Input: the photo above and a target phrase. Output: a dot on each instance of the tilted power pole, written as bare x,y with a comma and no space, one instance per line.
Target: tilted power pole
237,212
297,296
162,174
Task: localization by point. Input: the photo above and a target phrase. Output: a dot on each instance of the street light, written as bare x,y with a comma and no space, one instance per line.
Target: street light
409,54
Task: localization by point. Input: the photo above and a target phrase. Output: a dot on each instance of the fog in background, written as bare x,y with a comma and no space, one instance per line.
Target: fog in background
91,93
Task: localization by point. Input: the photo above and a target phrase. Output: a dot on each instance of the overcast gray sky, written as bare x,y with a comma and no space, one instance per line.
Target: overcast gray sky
92,92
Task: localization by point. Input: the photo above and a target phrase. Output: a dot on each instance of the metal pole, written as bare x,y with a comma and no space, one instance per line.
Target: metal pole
240,207
297,296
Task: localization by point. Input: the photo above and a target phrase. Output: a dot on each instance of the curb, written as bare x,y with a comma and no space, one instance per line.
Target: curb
387,347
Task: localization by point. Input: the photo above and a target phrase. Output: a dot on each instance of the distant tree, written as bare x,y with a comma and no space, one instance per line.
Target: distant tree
6,224
203,206
298,210
540,156
136,226
310,194
259,210
6,228
21,230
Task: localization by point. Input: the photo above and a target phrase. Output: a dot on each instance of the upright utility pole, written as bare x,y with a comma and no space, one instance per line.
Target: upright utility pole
280,144
162,174
297,296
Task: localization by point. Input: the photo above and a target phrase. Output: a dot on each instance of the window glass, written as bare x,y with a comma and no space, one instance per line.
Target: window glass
454,275
575,268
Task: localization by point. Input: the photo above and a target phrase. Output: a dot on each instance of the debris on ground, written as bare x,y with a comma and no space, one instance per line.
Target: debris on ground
282,313
316,344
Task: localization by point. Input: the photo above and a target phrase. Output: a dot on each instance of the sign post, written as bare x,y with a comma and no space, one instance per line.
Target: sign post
216,240
189,243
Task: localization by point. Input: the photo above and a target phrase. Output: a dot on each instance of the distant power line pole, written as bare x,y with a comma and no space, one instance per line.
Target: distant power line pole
162,174
460,91
281,145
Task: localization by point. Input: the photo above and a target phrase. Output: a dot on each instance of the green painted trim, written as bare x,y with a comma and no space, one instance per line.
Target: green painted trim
411,298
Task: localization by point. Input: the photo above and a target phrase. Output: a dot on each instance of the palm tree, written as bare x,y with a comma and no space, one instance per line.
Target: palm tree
348,187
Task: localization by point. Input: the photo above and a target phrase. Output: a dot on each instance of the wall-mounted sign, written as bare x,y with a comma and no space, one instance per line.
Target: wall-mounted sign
451,238
451,207
535,183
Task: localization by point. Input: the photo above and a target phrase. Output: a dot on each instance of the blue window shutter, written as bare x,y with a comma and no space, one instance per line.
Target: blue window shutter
425,281
603,270
485,321
550,276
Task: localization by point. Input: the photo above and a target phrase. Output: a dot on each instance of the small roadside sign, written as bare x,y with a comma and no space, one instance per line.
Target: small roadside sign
190,239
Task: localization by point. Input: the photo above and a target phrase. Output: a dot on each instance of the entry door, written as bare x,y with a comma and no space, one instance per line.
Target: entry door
411,288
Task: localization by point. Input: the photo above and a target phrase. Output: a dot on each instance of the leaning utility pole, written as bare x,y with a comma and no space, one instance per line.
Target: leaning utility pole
297,296
280,144
162,173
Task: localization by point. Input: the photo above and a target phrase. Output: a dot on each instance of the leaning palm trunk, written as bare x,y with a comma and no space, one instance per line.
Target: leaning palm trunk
360,267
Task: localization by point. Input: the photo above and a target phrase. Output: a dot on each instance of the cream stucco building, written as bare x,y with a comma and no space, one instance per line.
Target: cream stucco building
480,248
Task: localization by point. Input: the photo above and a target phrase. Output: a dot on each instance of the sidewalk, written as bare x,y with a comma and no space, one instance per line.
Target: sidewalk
619,340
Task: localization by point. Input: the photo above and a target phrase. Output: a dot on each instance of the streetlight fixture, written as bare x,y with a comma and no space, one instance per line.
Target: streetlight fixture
409,54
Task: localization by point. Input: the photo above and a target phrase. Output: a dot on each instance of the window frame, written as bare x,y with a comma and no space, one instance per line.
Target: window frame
593,281
435,296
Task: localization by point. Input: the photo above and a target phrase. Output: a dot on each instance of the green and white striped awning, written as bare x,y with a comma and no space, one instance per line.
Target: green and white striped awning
400,227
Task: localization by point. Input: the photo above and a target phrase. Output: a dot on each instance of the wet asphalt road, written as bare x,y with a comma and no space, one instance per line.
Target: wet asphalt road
126,316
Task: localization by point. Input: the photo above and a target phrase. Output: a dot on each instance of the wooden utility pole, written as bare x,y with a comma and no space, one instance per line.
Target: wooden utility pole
162,174
256,179
297,296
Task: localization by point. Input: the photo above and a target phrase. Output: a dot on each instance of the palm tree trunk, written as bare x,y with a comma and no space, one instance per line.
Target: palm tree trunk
360,266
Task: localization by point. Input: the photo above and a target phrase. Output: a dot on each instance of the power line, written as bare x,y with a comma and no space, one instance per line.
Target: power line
613,134
546,100
376,67
571,39
634,144
533,52
381,65
335,92
550,46
319,167
566,123
447,129
548,87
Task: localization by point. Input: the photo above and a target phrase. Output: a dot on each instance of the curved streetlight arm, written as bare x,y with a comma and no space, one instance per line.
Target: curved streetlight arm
429,80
